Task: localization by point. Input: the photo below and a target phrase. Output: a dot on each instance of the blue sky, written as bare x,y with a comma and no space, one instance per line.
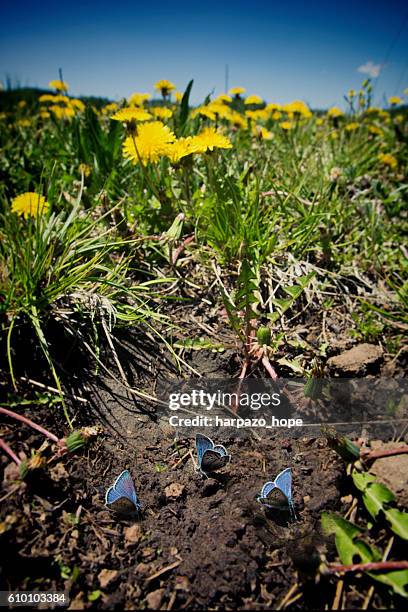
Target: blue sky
279,50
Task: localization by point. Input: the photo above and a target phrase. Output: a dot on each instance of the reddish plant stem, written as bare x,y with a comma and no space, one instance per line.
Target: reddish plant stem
389,452
333,568
176,254
30,423
4,446
269,368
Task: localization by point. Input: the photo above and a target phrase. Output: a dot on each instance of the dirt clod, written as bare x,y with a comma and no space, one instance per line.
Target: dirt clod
106,576
174,490
357,360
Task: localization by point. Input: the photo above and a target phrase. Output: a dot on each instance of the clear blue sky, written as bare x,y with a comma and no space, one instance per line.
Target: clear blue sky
308,50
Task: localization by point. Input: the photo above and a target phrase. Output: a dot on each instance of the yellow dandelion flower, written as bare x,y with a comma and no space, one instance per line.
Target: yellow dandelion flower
334,135
253,100
334,112
220,109
350,127
209,139
152,141
24,122
238,120
58,85
61,112
77,104
85,170
183,147
204,111
257,115
237,91
352,93
319,121
110,108
22,104
178,96
161,112
374,129
165,87
127,115
388,160
394,100
276,115
61,98
286,125
223,99
138,99
47,98
29,204
44,114
297,107
262,133
271,107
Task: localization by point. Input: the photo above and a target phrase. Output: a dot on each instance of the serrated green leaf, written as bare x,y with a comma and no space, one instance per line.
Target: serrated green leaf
362,479
376,498
292,364
293,291
282,304
398,522
350,548
273,316
397,580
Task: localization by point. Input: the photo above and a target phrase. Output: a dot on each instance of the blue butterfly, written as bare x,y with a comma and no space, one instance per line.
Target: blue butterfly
121,497
211,457
277,494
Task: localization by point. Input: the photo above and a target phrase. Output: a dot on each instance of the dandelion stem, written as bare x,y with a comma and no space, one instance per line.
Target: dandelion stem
23,419
7,449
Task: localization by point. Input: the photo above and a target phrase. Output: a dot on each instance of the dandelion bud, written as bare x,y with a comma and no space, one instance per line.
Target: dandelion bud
74,441
36,462
264,336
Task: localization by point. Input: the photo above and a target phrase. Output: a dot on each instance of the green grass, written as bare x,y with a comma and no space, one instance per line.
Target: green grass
316,198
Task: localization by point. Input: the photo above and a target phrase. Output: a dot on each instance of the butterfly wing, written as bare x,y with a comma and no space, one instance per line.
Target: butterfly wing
266,489
265,497
219,448
275,499
122,497
283,482
202,444
123,505
212,460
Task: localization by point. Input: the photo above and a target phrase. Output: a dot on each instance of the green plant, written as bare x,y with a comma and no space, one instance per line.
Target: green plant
63,268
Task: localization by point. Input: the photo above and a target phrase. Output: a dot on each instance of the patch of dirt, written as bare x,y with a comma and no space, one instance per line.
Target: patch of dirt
360,359
199,542
208,543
